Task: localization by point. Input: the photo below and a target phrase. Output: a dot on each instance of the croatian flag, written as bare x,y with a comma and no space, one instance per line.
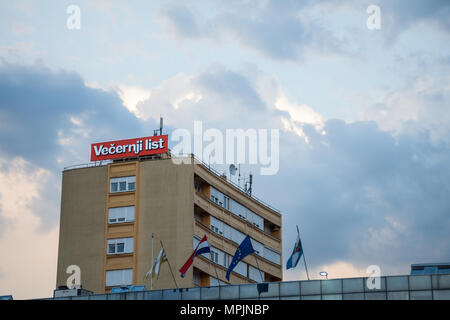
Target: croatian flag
202,247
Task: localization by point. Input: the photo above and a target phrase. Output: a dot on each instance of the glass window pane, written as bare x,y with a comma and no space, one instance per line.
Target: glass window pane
353,285
122,186
398,295
289,288
241,268
111,248
315,297
171,294
441,281
421,295
229,292
441,294
310,287
210,293
248,291
375,295
331,286
120,247
397,283
332,297
153,295
258,246
130,213
227,231
273,290
353,296
190,294
420,282
114,187
376,284
272,255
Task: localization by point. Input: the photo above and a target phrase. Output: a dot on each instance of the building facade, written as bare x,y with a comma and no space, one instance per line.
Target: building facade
430,268
402,287
110,212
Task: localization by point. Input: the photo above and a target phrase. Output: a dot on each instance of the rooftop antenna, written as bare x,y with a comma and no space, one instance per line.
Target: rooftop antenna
232,170
239,177
155,132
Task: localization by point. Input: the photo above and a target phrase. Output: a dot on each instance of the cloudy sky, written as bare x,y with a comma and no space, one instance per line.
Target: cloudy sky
363,116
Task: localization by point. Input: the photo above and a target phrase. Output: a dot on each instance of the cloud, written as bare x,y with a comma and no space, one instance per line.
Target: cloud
276,29
218,96
288,30
30,267
399,16
417,107
50,117
361,195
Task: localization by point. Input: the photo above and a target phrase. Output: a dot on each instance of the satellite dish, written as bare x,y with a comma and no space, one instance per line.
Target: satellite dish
233,169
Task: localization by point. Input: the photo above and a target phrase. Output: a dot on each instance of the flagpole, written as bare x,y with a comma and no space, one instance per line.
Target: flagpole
153,261
304,259
170,268
214,264
260,273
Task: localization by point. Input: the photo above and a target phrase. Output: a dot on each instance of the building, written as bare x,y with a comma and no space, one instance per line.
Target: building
430,268
402,287
109,213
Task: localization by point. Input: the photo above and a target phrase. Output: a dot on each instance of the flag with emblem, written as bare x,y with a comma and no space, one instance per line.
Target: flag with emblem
296,253
244,249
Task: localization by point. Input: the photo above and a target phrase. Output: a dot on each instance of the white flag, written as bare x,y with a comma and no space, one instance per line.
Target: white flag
154,271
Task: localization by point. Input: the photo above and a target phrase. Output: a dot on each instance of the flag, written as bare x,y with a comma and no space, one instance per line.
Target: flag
154,271
244,249
296,253
202,247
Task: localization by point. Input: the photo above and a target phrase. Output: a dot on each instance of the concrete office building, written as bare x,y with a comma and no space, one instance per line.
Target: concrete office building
109,213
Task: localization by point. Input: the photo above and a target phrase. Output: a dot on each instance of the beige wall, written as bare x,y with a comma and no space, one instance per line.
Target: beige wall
167,210
82,226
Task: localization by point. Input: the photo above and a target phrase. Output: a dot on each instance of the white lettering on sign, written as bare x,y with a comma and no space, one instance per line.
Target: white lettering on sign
136,148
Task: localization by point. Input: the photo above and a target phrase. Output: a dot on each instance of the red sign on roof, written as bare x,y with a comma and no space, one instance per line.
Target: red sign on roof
130,148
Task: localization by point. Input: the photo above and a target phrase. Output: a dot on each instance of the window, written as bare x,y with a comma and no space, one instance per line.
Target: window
121,214
272,255
197,186
216,196
258,221
216,254
226,202
215,282
195,243
123,184
196,279
254,274
237,236
241,268
216,226
239,210
123,277
226,260
258,246
120,245
226,231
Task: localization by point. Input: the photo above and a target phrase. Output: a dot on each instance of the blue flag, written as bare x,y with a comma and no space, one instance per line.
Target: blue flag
296,253
244,249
